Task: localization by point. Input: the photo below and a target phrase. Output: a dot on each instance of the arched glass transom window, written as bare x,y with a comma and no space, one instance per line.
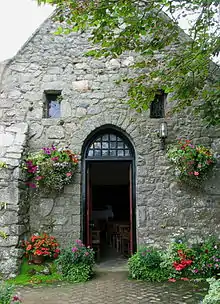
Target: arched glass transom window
108,145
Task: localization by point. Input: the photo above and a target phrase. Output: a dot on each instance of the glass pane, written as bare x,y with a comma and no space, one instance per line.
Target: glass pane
112,152
105,145
54,109
98,139
97,145
90,153
104,152
120,145
127,153
105,137
113,145
120,152
119,139
112,137
97,152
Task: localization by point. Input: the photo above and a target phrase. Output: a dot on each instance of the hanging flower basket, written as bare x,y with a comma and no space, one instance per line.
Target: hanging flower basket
50,169
192,162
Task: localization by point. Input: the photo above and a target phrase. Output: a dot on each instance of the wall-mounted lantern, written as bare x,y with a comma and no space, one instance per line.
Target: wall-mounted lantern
163,134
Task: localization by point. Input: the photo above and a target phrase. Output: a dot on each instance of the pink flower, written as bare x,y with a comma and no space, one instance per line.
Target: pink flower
196,173
68,174
86,253
184,279
32,185
74,249
55,158
172,280
38,177
190,173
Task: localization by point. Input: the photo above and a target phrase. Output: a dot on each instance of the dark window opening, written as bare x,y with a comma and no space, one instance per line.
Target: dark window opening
52,108
157,106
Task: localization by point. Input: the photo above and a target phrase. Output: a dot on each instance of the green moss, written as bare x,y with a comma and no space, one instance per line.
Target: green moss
30,274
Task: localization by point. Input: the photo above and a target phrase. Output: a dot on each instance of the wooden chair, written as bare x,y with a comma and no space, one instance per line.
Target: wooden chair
96,243
124,239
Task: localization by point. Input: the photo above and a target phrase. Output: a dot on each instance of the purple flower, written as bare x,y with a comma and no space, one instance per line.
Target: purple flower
195,270
74,249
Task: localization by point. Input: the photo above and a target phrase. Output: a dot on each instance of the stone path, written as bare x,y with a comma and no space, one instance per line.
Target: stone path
113,288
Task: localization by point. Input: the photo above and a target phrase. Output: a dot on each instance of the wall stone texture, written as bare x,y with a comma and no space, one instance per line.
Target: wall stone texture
91,99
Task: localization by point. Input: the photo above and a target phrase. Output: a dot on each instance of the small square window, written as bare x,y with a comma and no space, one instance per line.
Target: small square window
52,107
157,106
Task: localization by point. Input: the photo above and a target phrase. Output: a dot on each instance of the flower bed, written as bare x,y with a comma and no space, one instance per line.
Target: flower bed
50,169
179,262
192,163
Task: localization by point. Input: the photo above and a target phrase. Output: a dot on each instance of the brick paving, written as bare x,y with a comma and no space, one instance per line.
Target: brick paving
113,288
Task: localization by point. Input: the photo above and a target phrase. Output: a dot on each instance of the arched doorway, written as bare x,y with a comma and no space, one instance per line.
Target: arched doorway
108,193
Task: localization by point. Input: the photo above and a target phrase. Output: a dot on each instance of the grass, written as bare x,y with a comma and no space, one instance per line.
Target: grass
30,274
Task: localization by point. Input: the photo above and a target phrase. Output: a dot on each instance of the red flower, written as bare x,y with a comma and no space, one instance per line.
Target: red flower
184,279
29,247
171,280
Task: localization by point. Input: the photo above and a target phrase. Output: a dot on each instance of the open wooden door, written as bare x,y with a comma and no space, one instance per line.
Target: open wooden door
131,209
88,207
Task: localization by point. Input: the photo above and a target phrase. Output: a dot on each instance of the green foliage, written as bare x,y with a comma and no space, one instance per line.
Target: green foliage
145,265
6,293
196,261
213,296
183,67
76,262
192,163
206,262
31,274
3,165
78,273
179,261
3,235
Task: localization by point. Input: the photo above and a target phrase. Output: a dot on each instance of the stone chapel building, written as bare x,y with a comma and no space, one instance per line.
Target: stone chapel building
122,162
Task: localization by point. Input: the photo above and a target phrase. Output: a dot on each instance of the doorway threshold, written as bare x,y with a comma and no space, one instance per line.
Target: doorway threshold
119,264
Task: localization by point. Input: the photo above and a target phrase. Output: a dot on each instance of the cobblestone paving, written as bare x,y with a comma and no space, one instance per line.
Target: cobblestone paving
113,288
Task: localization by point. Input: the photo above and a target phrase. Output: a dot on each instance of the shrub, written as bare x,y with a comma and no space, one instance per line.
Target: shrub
76,262
6,294
145,265
78,273
201,260
213,296
207,258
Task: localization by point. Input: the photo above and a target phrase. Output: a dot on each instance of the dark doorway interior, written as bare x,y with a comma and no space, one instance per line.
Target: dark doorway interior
111,208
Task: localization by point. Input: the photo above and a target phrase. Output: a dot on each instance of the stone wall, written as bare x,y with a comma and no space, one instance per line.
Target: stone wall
13,208
91,99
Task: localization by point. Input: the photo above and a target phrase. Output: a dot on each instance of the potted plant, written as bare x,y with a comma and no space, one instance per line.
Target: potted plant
41,247
50,169
192,162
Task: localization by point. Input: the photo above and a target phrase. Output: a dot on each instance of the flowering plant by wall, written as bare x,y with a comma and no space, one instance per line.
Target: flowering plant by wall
50,169
76,262
192,162
42,245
